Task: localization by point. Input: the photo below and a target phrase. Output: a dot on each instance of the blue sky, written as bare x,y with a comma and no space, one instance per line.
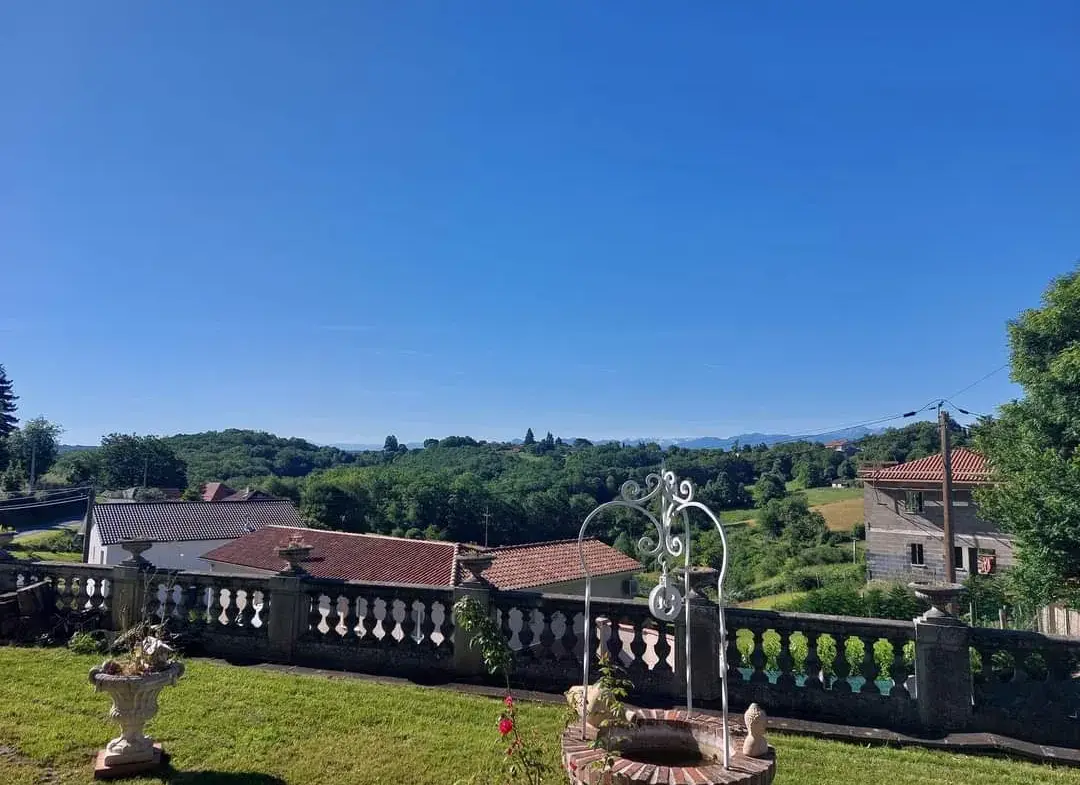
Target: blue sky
603,219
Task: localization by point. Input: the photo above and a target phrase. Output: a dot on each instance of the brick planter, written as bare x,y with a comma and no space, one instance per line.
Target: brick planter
667,748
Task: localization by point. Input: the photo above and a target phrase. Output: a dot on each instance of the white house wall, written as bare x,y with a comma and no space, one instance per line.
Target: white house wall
186,555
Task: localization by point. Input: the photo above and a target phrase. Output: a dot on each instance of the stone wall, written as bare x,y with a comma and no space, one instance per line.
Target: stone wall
914,676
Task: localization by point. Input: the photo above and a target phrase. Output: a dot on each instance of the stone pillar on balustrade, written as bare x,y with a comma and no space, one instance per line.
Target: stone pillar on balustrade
288,612
943,685
129,585
468,660
704,639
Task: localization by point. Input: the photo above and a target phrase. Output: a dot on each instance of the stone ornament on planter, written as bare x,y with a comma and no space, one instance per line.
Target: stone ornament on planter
598,705
134,704
755,745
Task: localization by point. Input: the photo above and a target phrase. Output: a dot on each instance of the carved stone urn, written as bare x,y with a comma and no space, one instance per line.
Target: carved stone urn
134,704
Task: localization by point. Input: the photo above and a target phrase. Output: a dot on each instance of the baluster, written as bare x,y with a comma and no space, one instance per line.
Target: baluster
1020,675
153,601
232,610
813,662
526,634
194,612
427,625
170,602
546,638
757,658
63,591
841,666
986,665
315,613
504,626
869,666
569,637
370,621
216,606
614,641
447,626
247,613
785,662
352,617
333,616
898,669
408,622
733,656
1057,665
638,647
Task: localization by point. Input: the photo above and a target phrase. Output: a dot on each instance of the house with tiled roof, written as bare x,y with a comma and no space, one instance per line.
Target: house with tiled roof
904,513
551,567
180,532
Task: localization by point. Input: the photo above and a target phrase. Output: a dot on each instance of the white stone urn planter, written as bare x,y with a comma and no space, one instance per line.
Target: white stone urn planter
134,704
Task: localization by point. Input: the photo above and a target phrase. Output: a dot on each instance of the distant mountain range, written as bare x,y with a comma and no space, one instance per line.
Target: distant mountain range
695,443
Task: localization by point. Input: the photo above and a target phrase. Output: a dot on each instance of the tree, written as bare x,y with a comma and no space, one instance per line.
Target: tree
768,487
529,438
792,519
127,460
34,447
7,404
809,475
1033,449
391,444
846,470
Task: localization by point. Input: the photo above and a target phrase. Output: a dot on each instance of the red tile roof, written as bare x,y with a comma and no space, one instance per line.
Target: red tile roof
378,559
340,555
968,468
541,563
216,491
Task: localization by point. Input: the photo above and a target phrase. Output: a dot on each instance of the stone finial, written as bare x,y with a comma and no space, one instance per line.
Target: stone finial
295,552
476,561
136,548
598,704
755,745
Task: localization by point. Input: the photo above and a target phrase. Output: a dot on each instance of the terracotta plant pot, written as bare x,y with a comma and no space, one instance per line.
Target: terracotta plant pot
134,704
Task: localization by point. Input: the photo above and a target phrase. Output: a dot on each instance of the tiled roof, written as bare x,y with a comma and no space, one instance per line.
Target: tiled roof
216,491
968,468
541,563
378,559
182,521
247,495
345,556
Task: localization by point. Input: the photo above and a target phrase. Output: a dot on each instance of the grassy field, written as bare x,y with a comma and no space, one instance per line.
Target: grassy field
226,725
841,516
818,496
771,601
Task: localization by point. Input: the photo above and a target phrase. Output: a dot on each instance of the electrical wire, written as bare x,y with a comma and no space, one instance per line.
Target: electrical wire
46,491
57,503
978,381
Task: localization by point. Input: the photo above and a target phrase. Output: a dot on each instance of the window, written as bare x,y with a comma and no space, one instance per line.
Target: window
917,555
958,557
973,559
913,502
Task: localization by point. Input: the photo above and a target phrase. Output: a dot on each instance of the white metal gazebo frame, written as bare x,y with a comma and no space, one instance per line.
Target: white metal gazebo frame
675,498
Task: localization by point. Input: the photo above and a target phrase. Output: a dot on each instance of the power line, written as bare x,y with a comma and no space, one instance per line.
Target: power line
57,503
46,491
999,369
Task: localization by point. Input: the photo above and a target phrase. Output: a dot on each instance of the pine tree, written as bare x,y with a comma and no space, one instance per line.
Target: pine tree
529,438
7,404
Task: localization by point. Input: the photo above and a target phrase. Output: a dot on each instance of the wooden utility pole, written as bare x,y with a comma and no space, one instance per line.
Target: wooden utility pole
946,495
487,520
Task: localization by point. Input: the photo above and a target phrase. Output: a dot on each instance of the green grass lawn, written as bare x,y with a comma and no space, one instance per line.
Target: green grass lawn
816,496
226,725
71,556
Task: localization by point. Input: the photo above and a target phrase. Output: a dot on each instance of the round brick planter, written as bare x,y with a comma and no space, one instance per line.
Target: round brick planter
667,747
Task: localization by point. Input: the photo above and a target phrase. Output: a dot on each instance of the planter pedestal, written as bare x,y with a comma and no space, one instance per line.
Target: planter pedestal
134,704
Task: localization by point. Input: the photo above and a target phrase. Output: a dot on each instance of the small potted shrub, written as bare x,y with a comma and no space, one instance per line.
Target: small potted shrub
133,678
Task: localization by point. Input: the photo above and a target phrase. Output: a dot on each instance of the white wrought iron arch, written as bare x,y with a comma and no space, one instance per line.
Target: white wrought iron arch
666,602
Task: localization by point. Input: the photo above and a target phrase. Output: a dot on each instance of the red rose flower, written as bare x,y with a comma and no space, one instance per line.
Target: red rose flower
509,701
505,725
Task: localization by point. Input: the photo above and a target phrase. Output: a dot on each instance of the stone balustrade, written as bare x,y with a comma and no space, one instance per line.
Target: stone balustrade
921,676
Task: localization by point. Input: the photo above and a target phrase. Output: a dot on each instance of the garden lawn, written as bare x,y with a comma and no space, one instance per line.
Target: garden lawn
226,725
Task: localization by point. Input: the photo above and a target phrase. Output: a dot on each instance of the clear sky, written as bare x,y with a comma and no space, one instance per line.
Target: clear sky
609,219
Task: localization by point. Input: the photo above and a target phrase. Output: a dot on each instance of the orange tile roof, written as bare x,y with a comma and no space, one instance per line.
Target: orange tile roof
537,564
379,559
968,468
370,558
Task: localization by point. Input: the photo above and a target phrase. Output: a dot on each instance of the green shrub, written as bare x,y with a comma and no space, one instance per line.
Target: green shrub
59,541
87,643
